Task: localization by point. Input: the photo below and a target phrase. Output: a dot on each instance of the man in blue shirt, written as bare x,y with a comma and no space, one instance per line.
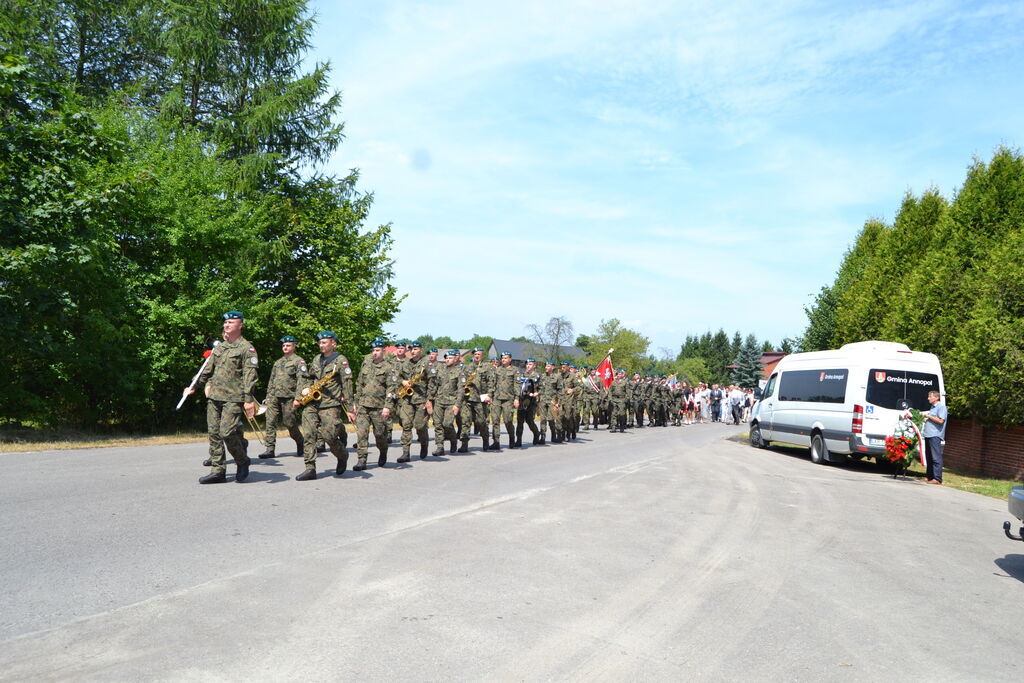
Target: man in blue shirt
934,432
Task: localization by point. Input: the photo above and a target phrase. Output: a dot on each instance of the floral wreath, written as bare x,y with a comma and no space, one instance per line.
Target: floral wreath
906,440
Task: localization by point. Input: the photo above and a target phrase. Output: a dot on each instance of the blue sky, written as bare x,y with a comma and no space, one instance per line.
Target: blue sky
680,166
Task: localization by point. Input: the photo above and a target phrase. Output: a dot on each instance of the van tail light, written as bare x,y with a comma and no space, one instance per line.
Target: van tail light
857,427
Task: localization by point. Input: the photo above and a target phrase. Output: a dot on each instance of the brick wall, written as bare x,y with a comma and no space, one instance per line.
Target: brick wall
984,450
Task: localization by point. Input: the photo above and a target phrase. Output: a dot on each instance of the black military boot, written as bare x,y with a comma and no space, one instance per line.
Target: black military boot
213,478
360,464
487,444
464,448
496,444
308,475
404,457
383,459
342,465
423,450
266,455
207,463
242,472
452,449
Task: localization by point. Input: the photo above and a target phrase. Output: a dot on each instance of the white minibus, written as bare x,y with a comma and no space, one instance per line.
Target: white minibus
844,402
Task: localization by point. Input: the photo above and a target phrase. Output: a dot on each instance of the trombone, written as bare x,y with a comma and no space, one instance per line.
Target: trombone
254,426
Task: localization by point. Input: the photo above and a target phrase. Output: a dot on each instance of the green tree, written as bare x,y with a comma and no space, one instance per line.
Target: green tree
630,346
748,371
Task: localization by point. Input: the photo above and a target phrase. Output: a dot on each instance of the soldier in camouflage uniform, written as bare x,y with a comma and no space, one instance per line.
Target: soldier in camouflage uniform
529,393
280,394
618,394
504,401
477,387
570,388
446,392
375,399
550,411
323,418
412,409
231,374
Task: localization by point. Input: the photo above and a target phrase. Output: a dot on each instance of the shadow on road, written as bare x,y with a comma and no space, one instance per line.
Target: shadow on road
1012,565
266,477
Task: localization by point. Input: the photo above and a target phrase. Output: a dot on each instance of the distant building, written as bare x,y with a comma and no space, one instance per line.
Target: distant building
542,352
769,359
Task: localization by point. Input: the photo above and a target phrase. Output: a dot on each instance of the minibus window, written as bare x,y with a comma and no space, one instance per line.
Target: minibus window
769,389
900,389
814,386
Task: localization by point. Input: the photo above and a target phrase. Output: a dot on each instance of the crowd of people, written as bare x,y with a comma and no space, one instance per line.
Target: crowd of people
315,400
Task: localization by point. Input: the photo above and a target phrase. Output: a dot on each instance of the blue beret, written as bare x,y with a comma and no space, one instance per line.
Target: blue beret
402,342
549,362
494,358
531,360
451,352
416,344
377,341
288,338
433,349
565,362
506,353
477,348
326,334
233,315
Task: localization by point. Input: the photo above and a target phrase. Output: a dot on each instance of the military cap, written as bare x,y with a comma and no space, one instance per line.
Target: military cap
416,344
549,362
288,338
494,358
402,342
326,334
565,362
433,349
531,360
378,341
233,315
477,348
451,352
506,353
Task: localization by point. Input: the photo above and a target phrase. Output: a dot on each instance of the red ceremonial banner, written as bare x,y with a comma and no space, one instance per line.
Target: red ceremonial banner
606,372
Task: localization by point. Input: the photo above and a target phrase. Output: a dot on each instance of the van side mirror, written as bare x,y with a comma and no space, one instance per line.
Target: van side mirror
757,394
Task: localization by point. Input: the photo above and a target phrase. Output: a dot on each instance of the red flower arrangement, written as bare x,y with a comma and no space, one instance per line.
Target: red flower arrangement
897,447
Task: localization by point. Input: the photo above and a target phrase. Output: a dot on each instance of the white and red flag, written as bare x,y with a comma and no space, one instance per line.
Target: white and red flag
605,370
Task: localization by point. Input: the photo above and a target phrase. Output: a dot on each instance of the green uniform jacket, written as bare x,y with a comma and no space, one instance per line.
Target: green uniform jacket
231,372
284,377
506,383
408,370
550,387
476,381
334,392
446,386
376,385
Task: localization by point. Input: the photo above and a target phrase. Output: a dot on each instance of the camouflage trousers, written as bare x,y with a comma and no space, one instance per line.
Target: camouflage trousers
618,415
550,415
367,418
281,412
326,425
412,416
444,426
473,414
502,412
224,427
570,416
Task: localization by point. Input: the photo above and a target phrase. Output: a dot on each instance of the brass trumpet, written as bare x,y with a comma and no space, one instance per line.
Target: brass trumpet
261,408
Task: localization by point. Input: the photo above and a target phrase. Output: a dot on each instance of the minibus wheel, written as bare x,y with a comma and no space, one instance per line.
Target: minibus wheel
756,440
819,451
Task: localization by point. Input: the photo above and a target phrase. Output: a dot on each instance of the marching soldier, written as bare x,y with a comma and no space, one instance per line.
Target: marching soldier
446,391
504,401
322,418
550,393
529,393
618,394
375,398
477,389
412,407
570,386
231,374
280,394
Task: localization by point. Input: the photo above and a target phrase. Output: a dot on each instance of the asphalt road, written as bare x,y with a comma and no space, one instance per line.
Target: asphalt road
662,554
